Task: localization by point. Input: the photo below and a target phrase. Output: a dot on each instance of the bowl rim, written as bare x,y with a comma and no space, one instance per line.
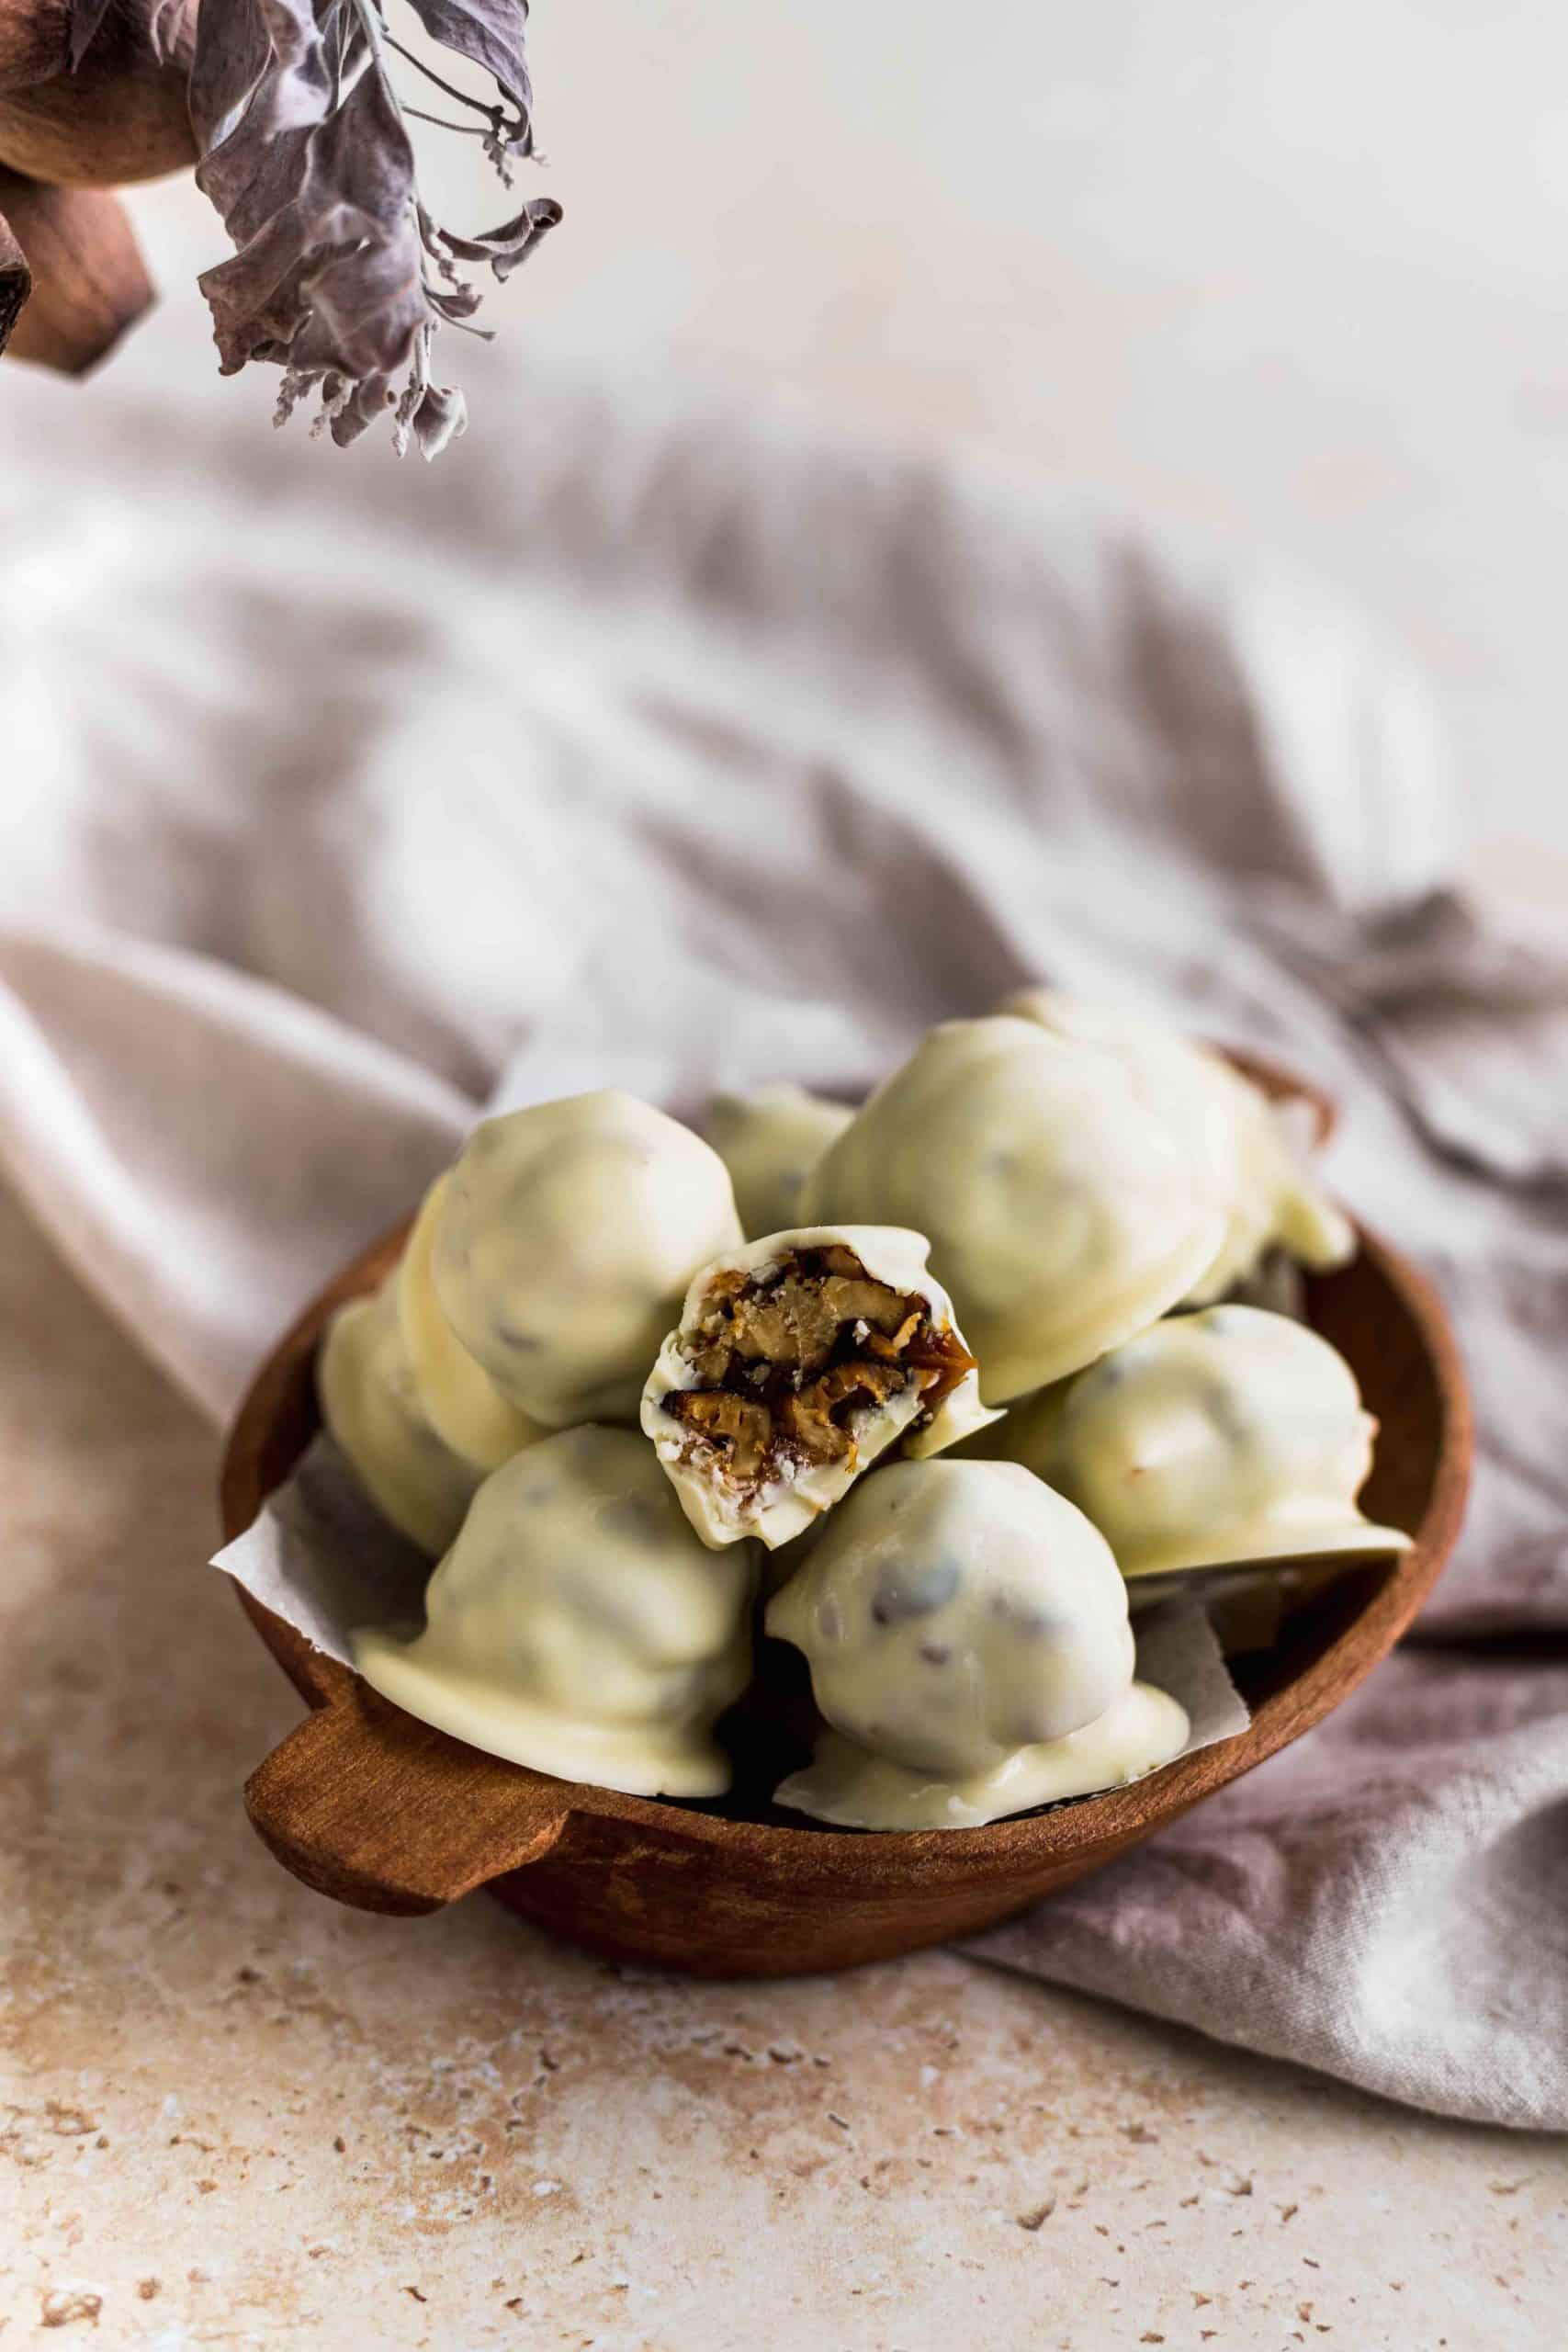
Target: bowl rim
1110,1819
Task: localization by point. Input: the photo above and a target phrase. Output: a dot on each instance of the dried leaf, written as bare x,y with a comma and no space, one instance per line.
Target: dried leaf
459,301
441,415
307,153
331,280
504,247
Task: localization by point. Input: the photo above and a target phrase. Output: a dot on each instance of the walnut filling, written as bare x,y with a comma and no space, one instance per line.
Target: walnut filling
792,1362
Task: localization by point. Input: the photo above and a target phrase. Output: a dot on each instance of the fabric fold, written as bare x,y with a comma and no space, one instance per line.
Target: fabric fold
1380,1901
204,1148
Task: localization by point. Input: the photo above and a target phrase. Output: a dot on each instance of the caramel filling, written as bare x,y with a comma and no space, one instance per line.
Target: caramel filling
791,1362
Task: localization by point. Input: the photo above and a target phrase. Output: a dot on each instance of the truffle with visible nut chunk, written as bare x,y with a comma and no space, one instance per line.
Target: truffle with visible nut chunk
799,1360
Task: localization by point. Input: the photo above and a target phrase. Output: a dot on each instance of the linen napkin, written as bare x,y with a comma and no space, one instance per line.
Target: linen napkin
657,740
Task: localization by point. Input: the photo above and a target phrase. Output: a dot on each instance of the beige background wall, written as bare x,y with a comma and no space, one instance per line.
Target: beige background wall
1300,274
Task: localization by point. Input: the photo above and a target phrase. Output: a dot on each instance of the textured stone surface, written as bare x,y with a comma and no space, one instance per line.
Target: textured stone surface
233,2114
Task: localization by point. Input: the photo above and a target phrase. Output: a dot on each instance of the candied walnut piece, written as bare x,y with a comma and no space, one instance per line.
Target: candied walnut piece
871,1302
797,1320
745,1427
792,1327
808,1416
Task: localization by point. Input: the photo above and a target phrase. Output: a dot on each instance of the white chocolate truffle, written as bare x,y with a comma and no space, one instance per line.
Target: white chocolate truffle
579,1626
799,1360
849,1787
953,1612
565,1241
770,1141
461,1401
1229,1434
1227,1128
1062,1216
371,1406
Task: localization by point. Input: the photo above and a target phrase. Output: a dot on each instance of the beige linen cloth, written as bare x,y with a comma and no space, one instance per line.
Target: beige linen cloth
658,740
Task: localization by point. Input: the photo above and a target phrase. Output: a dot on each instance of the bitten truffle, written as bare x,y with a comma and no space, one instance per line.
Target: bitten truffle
577,1624
797,1361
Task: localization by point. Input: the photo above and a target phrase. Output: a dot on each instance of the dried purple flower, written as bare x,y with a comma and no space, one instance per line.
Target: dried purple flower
341,275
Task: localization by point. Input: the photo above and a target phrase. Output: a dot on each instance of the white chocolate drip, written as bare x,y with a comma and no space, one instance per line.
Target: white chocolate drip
845,1785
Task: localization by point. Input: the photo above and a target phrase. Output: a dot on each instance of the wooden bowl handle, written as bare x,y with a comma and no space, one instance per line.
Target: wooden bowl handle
376,1810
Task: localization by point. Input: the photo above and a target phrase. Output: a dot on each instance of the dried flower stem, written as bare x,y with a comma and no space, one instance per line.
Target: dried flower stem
463,97
462,130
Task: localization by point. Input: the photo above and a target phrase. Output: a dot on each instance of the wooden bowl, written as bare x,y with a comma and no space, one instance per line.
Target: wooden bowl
376,1809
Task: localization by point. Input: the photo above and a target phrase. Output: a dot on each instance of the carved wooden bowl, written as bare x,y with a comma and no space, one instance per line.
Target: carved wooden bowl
368,1805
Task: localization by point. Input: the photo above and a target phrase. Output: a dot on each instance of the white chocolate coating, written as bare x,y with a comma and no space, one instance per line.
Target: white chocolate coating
849,1787
954,1613
371,1406
1229,1434
461,1401
1063,1215
1227,1129
770,1141
579,1626
564,1243
787,1503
